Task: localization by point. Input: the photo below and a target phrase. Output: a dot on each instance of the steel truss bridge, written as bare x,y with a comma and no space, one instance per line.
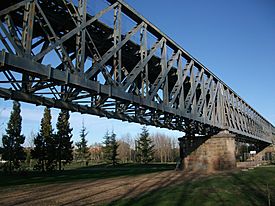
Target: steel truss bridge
104,59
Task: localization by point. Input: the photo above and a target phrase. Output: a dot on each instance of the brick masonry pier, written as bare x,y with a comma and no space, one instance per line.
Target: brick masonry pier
208,154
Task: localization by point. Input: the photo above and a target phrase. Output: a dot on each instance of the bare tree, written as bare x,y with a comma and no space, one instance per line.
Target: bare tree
165,148
127,138
30,139
124,151
175,149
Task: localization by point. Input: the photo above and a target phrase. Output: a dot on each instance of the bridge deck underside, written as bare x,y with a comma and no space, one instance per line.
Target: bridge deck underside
97,68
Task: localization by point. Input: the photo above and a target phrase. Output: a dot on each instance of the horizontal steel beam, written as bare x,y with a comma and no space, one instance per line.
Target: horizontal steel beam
20,64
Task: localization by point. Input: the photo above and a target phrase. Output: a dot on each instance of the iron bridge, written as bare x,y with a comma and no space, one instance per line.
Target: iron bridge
105,59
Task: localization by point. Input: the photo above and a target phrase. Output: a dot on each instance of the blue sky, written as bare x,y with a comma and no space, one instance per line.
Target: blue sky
234,39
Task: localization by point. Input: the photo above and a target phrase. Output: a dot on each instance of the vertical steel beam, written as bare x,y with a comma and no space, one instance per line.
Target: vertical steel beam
162,77
28,20
117,38
27,33
163,64
180,79
179,86
143,55
81,36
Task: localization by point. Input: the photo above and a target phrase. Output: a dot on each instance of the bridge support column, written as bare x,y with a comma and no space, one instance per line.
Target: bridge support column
208,154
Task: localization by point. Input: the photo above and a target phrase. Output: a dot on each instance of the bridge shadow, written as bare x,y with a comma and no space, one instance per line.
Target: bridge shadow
188,144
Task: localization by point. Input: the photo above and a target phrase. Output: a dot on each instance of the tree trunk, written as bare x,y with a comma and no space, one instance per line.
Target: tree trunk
10,166
10,159
59,164
59,159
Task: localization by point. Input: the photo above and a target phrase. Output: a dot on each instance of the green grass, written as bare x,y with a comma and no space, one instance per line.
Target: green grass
239,188
82,173
236,188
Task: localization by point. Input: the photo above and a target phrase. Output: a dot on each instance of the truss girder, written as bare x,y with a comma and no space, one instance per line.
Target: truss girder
59,55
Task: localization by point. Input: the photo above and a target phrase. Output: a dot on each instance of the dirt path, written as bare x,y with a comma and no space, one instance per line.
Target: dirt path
89,192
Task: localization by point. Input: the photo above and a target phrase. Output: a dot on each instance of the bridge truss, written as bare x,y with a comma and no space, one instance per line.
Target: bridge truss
67,55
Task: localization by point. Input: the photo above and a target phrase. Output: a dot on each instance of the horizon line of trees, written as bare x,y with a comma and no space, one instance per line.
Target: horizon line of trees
52,150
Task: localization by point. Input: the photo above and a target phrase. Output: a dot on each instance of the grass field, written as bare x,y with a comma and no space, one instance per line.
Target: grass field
156,184
82,173
237,189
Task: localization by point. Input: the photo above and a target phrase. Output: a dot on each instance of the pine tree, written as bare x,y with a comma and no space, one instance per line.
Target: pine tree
1,152
82,149
107,150
39,152
114,145
47,132
110,148
63,138
145,147
44,144
13,140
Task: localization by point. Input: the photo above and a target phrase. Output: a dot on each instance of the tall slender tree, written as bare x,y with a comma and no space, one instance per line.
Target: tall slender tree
44,144
13,139
82,150
1,152
64,152
107,149
144,147
114,145
110,148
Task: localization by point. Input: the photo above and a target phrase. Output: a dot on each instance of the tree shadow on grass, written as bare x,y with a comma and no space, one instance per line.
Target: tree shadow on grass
79,192
235,188
159,191
96,181
254,186
84,173
160,188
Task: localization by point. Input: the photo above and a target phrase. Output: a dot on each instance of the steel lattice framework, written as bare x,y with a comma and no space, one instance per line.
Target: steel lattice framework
61,54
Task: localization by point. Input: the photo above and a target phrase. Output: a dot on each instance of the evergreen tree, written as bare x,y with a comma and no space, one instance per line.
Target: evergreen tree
82,149
144,147
1,152
114,145
110,148
64,145
107,150
47,132
13,140
39,152
44,144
